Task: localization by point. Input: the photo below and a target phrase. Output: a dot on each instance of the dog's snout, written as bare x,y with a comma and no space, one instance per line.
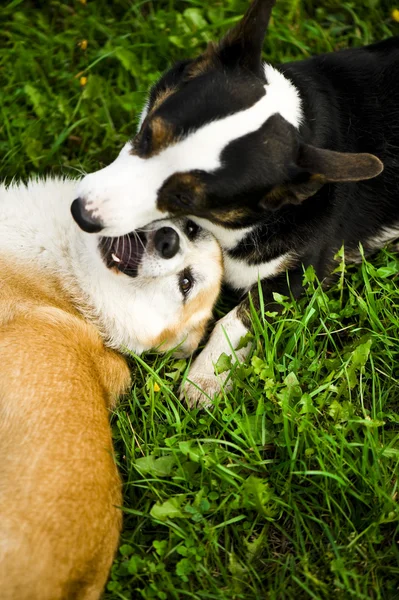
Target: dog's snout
167,242
84,218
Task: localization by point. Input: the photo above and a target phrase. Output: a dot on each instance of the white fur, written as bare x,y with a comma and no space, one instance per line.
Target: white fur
387,234
123,195
36,228
202,383
242,276
228,238
237,272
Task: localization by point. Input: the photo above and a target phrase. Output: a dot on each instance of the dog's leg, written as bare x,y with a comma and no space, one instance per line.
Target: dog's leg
202,382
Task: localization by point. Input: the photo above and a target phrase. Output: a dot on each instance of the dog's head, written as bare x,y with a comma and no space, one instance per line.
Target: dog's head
218,139
155,288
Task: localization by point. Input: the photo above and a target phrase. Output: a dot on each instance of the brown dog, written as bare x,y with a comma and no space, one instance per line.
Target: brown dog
60,491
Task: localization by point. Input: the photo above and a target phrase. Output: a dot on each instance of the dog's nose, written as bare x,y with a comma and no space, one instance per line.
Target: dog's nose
84,218
167,242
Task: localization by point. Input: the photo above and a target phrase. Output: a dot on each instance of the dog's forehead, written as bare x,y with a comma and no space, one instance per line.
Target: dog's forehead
188,127
185,98
189,98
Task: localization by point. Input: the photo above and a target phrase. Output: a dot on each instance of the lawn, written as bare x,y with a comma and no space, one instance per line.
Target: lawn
288,487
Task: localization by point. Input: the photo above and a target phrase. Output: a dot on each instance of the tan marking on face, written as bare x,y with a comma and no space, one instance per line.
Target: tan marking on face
160,99
162,135
161,131
181,183
172,336
204,301
229,216
190,181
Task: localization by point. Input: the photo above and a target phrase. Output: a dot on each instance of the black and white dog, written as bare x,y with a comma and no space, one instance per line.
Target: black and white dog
282,163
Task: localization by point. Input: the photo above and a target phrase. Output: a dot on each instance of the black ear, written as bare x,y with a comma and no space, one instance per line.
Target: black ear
316,167
338,166
243,43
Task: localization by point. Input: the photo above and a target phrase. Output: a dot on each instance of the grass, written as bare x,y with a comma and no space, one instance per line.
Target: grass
288,488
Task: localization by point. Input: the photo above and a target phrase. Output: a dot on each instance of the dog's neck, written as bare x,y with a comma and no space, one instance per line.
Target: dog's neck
323,84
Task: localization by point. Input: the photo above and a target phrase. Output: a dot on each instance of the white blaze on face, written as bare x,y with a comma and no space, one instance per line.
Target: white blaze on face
124,194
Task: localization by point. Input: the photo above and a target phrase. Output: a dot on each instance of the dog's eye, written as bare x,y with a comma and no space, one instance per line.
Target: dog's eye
186,281
192,229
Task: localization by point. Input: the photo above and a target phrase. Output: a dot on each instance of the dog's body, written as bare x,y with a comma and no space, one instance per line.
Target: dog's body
59,486
283,164
62,294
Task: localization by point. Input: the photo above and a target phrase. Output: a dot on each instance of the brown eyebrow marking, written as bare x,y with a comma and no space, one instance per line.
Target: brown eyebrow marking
170,336
181,183
162,135
229,216
162,131
161,97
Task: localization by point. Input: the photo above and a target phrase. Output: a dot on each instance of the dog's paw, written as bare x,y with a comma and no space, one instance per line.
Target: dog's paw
202,383
200,389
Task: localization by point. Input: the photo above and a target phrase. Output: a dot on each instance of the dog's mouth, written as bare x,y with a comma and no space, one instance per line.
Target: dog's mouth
124,253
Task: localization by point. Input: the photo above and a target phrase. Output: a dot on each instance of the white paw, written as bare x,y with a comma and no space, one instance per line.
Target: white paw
200,388
202,383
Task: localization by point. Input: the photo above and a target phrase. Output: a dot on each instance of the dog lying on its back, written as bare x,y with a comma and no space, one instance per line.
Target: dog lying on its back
62,293
283,164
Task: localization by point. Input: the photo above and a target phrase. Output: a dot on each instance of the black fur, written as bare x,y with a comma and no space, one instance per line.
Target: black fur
351,105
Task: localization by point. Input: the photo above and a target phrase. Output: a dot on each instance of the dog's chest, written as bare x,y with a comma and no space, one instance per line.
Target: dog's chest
241,271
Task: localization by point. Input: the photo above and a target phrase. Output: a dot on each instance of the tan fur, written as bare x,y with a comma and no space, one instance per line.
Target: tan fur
161,132
59,485
204,301
190,181
162,135
160,99
180,183
229,215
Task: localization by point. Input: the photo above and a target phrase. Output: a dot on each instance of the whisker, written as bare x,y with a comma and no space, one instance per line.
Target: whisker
145,230
138,239
110,241
123,245
130,247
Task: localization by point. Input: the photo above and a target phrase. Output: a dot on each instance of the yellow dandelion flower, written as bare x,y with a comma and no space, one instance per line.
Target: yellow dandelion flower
83,1
395,14
83,80
83,44
156,387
